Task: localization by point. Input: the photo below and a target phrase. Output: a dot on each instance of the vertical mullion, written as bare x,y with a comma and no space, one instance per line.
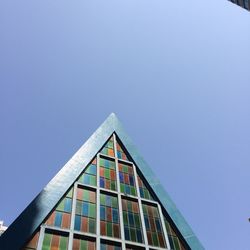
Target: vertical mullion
41,236
119,195
163,226
140,209
72,222
98,222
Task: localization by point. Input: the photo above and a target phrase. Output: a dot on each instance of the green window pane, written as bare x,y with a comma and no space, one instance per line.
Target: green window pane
92,210
92,224
46,241
109,229
63,243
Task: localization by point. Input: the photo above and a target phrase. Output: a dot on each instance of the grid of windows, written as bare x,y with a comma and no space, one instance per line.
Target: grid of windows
126,212
89,175
144,192
108,149
131,220
109,216
55,241
174,239
107,174
81,243
85,212
120,152
127,179
61,216
153,225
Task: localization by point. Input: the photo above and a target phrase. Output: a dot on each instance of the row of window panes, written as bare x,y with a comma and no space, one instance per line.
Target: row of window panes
59,241
107,171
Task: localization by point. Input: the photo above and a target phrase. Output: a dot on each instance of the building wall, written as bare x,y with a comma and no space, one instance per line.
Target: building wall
243,3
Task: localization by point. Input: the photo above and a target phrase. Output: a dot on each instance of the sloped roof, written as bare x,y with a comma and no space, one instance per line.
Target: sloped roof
32,216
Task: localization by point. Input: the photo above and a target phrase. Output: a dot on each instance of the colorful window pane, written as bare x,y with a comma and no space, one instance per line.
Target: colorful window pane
55,241
120,152
174,240
32,245
61,216
107,174
83,244
108,148
89,175
144,192
85,215
127,180
153,226
109,216
132,221
110,246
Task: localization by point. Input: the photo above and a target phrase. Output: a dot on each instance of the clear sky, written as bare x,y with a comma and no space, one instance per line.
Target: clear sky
176,73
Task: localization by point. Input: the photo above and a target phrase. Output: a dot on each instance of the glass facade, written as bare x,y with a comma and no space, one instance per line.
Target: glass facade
82,243
55,241
109,216
153,225
132,221
174,239
127,179
85,212
107,174
109,207
144,192
89,175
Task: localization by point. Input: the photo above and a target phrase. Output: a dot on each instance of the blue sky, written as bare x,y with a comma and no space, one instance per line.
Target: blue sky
176,73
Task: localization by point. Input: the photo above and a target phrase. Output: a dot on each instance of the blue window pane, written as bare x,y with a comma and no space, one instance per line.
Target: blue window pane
77,222
58,219
158,225
139,236
131,180
127,237
115,215
102,182
91,169
119,154
108,200
121,177
102,213
147,223
85,209
141,192
67,205
103,247
127,189
131,220
86,179
106,163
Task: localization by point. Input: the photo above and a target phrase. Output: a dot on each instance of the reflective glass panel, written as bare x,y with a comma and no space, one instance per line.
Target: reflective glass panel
132,221
153,226
85,215
127,179
107,174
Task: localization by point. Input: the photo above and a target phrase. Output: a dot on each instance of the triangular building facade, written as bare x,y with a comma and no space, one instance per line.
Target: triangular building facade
106,197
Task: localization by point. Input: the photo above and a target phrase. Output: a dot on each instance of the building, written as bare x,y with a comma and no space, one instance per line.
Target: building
106,197
2,228
243,3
